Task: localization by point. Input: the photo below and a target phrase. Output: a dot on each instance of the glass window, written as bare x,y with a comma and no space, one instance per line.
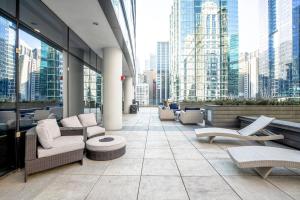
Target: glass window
7,94
7,60
40,70
36,15
78,47
9,6
92,92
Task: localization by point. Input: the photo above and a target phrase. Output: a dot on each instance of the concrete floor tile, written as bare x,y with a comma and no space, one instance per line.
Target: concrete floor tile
124,167
227,167
134,153
116,188
207,188
160,167
89,167
288,184
181,144
157,144
163,153
195,168
136,144
71,187
254,188
162,187
187,154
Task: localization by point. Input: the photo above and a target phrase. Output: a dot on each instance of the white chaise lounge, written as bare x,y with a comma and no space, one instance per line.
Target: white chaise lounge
263,158
247,133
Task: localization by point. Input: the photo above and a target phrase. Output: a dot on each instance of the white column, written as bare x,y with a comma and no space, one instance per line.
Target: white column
128,94
112,88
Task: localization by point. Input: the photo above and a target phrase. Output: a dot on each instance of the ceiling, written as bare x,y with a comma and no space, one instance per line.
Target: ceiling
80,15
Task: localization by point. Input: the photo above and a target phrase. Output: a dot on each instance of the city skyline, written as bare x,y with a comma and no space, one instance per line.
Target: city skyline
147,36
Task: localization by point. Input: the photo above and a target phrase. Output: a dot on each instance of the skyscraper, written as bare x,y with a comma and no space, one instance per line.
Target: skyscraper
279,51
204,49
248,75
7,60
183,21
162,71
51,70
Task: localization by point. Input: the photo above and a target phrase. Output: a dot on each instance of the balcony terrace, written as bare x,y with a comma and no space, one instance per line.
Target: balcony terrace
164,160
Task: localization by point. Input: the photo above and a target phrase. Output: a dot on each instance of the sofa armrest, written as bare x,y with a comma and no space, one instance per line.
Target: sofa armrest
69,131
30,144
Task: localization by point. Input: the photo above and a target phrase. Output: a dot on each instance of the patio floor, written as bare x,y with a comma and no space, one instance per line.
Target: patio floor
164,160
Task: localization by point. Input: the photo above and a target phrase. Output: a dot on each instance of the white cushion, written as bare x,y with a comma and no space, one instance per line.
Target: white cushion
53,126
62,144
44,135
94,130
94,144
71,122
88,119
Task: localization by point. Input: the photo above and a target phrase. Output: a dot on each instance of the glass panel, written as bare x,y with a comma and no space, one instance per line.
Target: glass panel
78,47
9,6
7,94
41,70
92,92
36,15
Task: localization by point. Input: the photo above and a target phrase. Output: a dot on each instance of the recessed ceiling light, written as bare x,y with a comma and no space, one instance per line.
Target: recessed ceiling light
37,30
95,23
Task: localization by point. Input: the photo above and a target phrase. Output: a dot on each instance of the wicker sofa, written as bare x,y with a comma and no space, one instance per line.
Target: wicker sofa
191,117
36,158
93,129
166,114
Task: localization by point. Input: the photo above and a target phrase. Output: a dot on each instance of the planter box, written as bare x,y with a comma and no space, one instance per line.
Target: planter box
290,130
183,105
227,116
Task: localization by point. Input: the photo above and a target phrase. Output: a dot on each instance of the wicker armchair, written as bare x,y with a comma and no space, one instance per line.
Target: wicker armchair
34,163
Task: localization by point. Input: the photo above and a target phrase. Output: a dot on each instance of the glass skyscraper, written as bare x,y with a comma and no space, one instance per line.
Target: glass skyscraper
279,51
7,60
162,70
204,49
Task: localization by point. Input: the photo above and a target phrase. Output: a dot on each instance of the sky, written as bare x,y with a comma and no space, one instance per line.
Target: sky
153,26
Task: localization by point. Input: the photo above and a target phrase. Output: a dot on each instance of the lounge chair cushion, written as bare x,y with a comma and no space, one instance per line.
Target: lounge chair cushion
256,126
88,119
44,136
72,121
94,130
263,156
47,130
62,144
52,123
212,131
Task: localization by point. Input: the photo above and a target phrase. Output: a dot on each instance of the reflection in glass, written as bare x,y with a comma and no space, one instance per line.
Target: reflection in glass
7,61
41,70
7,94
92,92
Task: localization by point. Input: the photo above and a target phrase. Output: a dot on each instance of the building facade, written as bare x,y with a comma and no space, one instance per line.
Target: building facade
204,48
248,75
7,60
279,51
142,94
44,48
162,72
150,79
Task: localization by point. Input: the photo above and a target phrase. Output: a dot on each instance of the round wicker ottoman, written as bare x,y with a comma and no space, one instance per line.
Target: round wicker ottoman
105,147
